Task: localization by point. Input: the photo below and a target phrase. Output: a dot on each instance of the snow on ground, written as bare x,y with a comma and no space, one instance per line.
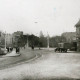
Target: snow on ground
48,66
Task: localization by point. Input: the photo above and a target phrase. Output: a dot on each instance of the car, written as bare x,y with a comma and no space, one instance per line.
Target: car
3,51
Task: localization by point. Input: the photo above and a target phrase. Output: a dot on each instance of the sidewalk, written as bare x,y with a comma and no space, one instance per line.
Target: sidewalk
12,54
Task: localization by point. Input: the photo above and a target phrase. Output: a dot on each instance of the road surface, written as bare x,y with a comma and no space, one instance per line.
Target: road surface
49,66
8,61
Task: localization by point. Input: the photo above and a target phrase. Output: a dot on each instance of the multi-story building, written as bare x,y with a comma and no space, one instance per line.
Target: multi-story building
78,35
8,39
70,36
16,36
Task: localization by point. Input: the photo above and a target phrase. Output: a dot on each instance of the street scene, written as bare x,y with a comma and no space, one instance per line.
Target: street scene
41,65
39,40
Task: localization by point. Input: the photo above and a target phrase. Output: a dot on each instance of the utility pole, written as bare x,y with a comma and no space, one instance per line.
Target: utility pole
47,40
5,39
5,43
27,42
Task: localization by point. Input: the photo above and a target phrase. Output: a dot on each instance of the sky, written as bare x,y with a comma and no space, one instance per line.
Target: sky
32,16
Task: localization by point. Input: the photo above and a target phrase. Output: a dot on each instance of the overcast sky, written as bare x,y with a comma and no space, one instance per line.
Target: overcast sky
33,16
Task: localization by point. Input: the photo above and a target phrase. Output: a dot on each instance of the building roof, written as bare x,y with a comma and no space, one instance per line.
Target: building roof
78,24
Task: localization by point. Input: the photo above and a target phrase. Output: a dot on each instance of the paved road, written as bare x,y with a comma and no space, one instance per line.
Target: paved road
8,61
50,65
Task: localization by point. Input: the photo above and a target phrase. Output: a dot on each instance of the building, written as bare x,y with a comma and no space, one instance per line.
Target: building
15,37
8,39
2,38
70,36
78,35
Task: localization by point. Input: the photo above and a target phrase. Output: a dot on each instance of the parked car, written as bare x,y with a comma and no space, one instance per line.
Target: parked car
3,51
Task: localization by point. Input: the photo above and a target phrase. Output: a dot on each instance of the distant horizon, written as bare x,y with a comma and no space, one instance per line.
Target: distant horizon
37,35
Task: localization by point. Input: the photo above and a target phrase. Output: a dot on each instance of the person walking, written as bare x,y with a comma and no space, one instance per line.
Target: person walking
17,49
32,47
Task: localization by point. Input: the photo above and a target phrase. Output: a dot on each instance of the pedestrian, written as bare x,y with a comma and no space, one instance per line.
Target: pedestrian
7,49
32,47
10,49
17,50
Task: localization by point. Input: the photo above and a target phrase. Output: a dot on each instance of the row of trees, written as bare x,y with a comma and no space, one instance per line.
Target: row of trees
40,41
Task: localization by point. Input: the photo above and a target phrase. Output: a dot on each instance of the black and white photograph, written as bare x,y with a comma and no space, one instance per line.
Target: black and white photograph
39,39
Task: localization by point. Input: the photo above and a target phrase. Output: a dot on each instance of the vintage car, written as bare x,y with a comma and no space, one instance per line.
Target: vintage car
3,51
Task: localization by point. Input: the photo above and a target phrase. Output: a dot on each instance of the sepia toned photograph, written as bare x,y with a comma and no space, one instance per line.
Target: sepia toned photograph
39,39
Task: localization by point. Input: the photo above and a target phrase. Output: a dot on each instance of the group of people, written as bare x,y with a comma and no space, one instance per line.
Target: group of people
10,49
17,49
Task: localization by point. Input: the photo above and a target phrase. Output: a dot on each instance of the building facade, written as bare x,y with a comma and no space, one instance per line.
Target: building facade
70,36
15,37
2,38
8,39
78,35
